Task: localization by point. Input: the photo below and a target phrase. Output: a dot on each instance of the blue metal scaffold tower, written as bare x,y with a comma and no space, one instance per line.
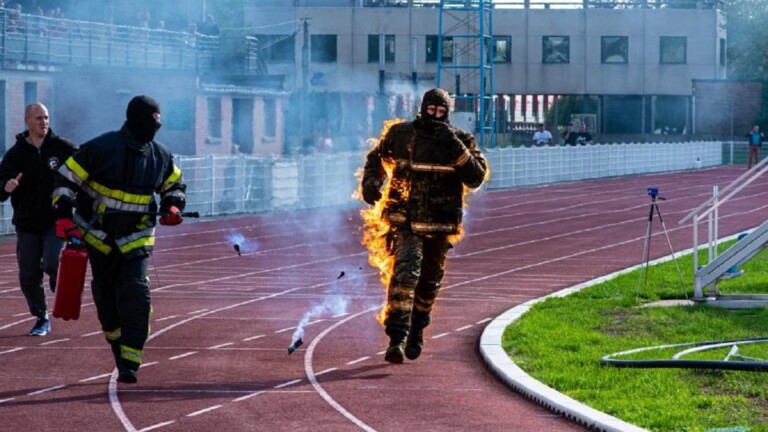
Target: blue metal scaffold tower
464,53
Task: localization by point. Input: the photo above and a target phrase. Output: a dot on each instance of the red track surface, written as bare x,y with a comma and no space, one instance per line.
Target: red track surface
217,356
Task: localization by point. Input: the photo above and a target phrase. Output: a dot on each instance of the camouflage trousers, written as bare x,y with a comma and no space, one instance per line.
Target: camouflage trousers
418,272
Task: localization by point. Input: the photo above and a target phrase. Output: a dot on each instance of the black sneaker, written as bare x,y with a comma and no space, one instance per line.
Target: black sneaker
414,344
42,327
126,374
395,352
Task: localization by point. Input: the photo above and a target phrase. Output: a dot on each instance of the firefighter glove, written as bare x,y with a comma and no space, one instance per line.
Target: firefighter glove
173,216
371,192
67,230
447,137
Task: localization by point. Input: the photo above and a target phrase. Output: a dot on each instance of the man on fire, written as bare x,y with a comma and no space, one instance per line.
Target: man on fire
110,184
432,164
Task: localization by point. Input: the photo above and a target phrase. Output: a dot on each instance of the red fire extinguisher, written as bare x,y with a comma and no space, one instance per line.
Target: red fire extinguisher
70,281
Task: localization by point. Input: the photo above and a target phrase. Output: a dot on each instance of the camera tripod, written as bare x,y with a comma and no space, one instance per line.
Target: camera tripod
654,192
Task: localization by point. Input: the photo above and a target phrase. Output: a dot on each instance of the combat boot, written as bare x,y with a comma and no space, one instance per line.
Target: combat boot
414,344
395,352
127,372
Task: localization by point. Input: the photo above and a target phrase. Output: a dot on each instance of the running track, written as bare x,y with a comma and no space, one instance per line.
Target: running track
217,355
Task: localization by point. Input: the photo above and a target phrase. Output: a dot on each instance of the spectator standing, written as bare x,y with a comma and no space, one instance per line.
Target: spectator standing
26,175
570,135
542,137
584,137
756,139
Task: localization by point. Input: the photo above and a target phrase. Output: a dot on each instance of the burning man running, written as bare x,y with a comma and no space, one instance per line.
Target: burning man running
432,163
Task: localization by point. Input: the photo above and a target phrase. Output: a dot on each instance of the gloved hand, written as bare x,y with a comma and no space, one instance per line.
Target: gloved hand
447,137
67,230
173,217
371,192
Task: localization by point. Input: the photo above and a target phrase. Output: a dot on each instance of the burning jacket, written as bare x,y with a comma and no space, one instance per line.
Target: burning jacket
429,171
116,174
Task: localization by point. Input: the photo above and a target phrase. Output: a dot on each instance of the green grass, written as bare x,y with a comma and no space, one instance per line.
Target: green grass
560,342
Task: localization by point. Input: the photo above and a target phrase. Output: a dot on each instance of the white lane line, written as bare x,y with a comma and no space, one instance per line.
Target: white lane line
326,371
91,334
46,390
156,426
484,320
289,383
315,322
340,315
286,329
8,290
381,352
203,411
361,359
97,377
7,400
20,314
54,341
464,328
248,396
313,378
440,335
17,322
253,338
196,312
11,350
166,318
186,354
149,364
221,345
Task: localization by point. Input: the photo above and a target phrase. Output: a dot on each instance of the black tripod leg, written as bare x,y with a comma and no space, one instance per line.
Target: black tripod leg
671,249
646,253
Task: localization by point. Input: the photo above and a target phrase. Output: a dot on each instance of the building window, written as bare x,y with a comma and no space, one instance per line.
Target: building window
432,49
501,50
277,48
672,49
323,49
30,92
723,51
556,49
614,49
214,118
373,48
270,118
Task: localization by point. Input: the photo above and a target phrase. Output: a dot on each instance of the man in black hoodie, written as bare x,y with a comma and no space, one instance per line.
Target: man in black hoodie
26,176
110,183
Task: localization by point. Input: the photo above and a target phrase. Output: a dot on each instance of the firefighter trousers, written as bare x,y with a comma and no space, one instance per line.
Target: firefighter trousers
121,293
418,272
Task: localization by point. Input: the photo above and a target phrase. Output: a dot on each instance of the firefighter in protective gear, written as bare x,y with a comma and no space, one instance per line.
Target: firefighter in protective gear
433,162
110,183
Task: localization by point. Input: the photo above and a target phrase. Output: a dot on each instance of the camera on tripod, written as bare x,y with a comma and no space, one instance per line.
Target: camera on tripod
653,192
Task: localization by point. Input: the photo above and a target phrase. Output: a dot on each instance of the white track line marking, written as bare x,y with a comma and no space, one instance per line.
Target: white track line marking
340,315
253,338
463,328
166,318
313,378
286,384
248,396
20,314
54,341
484,320
203,411
196,312
7,400
11,350
187,354
440,335
157,426
381,352
145,365
91,334
361,359
285,329
326,371
94,378
17,322
46,390
221,345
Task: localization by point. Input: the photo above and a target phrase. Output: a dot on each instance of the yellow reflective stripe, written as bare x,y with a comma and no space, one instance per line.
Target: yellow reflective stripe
97,244
113,335
426,226
173,178
75,168
432,168
131,354
464,158
119,195
148,241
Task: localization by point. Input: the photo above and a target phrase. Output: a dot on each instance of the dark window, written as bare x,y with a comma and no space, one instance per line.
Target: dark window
614,49
30,92
214,117
672,50
723,51
373,48
556,49
277,48
179,115
242,124
270,117
323,49
432,49
501,50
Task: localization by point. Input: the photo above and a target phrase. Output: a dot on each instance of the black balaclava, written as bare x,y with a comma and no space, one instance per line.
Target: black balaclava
436,97
139,118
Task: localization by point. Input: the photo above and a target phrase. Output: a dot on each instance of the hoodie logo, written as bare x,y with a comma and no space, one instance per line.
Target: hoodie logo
53,163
